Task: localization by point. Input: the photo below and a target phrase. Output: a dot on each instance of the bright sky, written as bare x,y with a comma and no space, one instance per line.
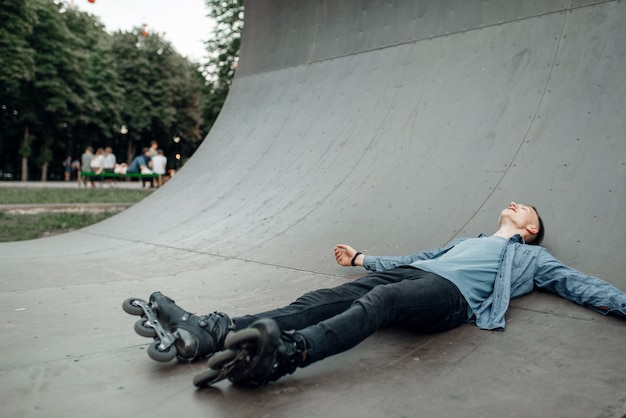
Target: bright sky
184,23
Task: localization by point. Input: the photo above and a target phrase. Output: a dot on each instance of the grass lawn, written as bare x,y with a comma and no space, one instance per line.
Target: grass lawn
33,195
18,227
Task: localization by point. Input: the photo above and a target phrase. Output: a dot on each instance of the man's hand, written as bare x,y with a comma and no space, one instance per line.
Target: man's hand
344,255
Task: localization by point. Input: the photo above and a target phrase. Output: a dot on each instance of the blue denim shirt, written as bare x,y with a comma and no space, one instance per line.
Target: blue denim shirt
521,268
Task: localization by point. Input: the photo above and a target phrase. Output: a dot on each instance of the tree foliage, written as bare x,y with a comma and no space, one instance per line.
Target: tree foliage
223,49
66,84
18,57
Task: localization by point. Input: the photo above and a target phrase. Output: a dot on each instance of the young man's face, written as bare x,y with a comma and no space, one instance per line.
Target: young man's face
522,216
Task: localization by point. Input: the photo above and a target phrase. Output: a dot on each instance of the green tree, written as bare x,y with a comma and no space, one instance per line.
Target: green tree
48,90
18,57
65,83
133,67
161,91
98,120
186,97
18,18
223,51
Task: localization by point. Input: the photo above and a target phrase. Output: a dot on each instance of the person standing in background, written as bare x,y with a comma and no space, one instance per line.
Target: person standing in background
67,168
85,164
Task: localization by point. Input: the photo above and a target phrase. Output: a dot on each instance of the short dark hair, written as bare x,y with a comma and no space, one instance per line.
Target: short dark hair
538,239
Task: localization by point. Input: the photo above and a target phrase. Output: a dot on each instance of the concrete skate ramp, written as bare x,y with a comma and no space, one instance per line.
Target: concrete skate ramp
392,126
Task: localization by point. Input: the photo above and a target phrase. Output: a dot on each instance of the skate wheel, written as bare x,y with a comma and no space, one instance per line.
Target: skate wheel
142,329
217,360
246,335
130,308
205,378
162,356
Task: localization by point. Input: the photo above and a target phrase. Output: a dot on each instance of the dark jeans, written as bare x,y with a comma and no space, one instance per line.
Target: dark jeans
334,320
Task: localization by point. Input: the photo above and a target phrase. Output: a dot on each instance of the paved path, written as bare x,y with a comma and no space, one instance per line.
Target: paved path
66,184
19,208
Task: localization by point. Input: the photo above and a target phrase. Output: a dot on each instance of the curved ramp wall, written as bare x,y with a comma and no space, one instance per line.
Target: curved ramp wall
404,125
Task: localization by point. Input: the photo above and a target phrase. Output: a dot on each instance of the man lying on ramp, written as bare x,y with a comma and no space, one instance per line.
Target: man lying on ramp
470,279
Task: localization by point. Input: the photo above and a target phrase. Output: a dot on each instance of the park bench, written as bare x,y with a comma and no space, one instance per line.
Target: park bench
115,176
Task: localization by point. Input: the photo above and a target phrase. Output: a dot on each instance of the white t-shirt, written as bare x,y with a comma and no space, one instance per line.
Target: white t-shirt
159,162
109,161
97,161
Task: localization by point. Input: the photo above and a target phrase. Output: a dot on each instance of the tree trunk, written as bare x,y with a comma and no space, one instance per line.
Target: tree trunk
44,171
130,154
25,147
24,168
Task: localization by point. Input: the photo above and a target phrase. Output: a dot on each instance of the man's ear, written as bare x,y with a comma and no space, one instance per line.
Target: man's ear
533,229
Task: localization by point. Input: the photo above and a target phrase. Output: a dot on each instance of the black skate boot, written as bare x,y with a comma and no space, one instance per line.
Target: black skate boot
255,356
176,331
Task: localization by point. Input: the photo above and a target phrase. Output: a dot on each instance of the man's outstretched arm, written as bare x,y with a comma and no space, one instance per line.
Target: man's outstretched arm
348,256
571,284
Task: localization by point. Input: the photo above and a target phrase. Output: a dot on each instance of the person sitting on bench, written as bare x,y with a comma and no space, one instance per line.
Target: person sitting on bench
140,163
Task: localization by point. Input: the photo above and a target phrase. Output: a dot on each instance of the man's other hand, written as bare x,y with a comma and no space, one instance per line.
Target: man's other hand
344,254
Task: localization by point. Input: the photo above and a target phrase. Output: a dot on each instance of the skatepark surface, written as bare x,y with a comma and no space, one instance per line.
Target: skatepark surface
393,126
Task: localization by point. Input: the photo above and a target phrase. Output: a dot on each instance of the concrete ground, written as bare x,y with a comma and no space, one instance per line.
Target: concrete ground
389,126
